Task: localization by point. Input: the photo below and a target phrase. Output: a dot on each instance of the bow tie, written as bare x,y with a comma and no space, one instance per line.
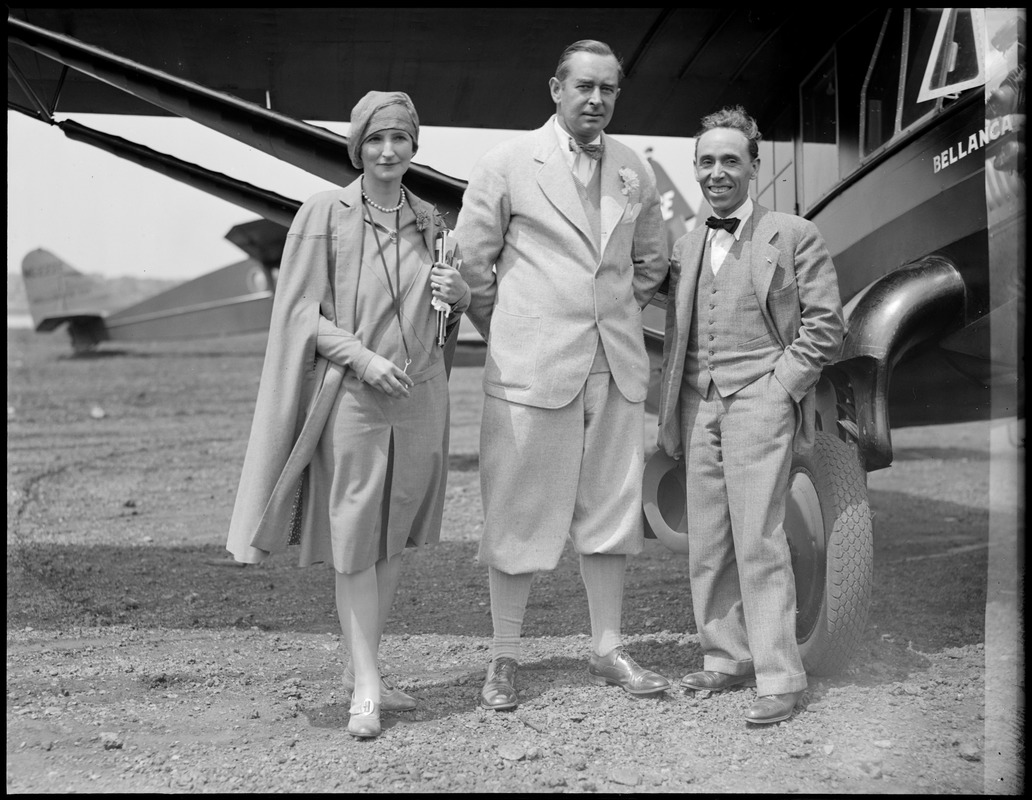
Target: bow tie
592,151
729,224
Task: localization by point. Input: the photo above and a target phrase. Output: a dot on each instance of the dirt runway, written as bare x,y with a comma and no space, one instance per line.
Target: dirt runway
138,660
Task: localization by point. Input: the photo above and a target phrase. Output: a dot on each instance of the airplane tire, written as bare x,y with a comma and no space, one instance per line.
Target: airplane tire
830,535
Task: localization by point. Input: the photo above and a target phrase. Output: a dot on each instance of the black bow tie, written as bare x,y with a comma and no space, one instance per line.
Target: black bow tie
592,151
729,224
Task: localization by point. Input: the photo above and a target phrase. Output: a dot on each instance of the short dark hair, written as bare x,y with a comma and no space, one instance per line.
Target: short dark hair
593,46
737,118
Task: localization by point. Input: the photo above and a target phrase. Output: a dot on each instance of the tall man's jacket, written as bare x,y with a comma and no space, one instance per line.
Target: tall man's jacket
795,284
543,290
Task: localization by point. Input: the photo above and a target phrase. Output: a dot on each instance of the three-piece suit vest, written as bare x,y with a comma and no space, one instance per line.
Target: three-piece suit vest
729,344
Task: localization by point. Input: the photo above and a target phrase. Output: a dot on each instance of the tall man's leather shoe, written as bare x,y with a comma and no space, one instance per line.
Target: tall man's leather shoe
712,681
619,669
499,692
772,708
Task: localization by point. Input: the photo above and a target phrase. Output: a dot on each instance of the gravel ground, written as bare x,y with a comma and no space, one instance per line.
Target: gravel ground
138,660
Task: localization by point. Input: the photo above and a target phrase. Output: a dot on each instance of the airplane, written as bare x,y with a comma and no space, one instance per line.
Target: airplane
233,299
898,131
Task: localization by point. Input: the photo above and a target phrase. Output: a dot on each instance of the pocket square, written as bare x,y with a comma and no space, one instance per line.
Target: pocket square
631,212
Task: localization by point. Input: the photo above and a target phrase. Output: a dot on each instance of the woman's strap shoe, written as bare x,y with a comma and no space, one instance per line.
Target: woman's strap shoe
365,719
499,692
391,697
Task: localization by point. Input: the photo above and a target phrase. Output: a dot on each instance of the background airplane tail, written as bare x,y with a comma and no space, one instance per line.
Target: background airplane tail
676,210
234,299
57,293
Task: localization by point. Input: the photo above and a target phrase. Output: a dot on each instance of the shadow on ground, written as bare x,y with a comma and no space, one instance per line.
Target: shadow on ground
929,586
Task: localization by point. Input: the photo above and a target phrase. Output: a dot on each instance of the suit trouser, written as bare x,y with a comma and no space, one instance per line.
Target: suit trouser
738,453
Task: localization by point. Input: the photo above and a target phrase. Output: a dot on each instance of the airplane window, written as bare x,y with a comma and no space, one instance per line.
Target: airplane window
853,54
955,62
924,23
923,55
819,156
784,178
765,177
776,182
880,93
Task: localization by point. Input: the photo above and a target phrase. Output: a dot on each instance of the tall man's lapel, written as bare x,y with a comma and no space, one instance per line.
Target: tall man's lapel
690,270
613,200
556,181
685,301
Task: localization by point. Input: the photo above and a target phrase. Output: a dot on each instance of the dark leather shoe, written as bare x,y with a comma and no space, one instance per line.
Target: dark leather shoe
712,681
773,708
619,669
499,692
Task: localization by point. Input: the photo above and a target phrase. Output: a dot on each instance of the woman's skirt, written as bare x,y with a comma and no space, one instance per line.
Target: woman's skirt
376,482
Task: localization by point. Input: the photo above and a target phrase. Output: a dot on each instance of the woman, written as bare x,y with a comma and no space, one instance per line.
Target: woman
348,448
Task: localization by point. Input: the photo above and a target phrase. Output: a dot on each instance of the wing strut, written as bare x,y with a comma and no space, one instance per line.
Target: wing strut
307,146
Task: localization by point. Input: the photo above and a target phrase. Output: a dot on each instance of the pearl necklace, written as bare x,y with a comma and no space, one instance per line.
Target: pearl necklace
378,207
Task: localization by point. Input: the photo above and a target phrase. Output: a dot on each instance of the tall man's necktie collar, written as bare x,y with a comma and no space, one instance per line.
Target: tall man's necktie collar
729,224
592,151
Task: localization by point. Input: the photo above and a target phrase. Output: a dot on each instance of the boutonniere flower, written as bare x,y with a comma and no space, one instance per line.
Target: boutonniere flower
630,180
424,218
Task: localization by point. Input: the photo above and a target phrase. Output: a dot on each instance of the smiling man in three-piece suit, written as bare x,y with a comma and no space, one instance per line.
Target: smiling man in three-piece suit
753,316
562,245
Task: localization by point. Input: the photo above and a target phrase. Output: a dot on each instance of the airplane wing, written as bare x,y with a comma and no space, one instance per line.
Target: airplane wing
478,68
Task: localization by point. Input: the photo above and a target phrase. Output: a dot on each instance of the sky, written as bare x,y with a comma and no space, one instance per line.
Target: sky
107,216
